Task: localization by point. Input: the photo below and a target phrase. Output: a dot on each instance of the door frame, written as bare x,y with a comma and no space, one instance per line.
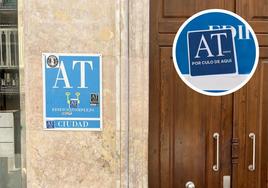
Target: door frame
132,132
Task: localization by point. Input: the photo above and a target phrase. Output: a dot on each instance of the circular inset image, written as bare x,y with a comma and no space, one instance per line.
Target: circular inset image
52,61
215,52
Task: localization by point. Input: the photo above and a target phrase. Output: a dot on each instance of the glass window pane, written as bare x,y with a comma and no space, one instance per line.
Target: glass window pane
10,100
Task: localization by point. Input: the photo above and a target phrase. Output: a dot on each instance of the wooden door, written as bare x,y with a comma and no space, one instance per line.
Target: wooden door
251,107
182,122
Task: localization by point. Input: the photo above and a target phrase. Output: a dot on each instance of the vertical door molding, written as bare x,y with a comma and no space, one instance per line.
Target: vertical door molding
122,81
138,92
133,124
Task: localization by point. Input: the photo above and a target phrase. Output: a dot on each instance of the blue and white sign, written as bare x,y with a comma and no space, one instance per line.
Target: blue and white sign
212,52
72,92
215,52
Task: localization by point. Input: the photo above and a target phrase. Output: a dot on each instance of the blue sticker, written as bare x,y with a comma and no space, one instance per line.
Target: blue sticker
215,52
211,52
72,91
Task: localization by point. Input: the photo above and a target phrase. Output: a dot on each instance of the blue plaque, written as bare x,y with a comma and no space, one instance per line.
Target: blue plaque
212,52
72,91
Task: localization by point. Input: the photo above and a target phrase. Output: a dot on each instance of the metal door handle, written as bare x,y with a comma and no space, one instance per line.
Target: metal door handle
252,136
189,184
216,167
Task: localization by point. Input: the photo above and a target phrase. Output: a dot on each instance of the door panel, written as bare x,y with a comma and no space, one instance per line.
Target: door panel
263,140
172,13
184,9
188,121
250,106
255,12
175,8
167,120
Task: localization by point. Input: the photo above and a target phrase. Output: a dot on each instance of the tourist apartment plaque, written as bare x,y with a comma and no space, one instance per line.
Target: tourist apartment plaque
72,92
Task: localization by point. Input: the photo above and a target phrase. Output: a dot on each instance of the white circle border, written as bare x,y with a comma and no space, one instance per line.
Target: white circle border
193,86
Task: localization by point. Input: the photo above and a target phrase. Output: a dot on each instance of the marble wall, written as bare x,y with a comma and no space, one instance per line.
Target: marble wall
119,30
138,92
69,159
